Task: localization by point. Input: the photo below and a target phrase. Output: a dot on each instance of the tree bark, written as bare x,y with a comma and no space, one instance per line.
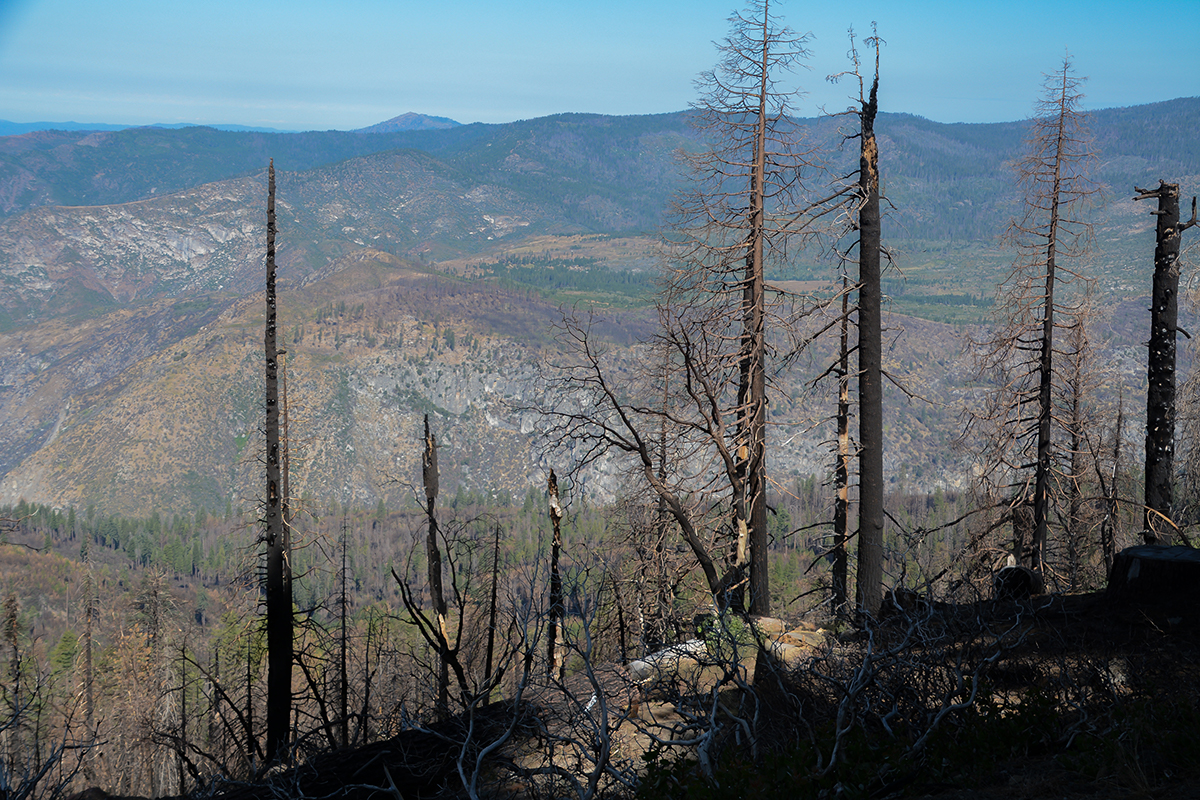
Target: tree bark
554,641
1108,526
1160,392
750,523
491,638
343,673
279,582
1041,486
89,718
869,588
841,506
433,556
1027,415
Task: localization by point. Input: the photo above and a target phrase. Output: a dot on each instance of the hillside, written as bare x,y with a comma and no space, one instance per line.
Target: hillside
151,212
158,406
422,271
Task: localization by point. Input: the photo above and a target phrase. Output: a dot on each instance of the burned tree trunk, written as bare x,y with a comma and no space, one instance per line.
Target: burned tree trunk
279,578
491,638
89,710
554,641
1109,524
1150,574
433,555
343,675
869,587
841,507
1022,424
1160,394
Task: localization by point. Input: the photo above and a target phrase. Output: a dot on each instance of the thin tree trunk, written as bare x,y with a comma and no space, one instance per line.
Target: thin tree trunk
749,502
343,687
841,506
216,715
1109,525
89,722
1041,486
491,641
364,722
429,474
249,716
1075,523
620,622
554,638
181,746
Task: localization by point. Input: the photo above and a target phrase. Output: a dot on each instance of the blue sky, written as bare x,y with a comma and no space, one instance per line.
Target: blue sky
303,64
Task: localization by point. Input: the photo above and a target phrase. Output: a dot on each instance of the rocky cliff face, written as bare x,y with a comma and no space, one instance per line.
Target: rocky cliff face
131,410
159,406
60,260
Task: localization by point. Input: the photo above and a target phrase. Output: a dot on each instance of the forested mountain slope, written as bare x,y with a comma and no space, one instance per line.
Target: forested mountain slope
422,271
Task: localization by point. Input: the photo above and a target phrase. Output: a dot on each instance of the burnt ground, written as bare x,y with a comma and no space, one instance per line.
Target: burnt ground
1138,665
1128,671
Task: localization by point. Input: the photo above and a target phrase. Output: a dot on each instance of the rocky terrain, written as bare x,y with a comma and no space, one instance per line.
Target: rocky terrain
130,305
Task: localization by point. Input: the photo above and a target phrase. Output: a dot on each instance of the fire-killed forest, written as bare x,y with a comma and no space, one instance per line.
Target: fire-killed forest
751,560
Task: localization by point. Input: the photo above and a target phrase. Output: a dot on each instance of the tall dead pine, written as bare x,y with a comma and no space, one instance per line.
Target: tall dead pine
869,585
277,534
863,227
1160,392
723,234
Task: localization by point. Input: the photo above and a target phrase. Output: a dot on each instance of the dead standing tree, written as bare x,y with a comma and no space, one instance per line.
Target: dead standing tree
1077,404
865,225
556,661
277,534
869,584
1018,421
723,235
596,415
433,558
841,507
1160,392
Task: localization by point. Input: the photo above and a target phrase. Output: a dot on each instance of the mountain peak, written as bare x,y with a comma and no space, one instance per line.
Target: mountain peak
412,121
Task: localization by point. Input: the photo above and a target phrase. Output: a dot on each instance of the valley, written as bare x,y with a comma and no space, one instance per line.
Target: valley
787,444
118,315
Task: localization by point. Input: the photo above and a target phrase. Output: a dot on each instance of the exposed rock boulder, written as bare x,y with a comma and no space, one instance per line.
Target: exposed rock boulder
1154,573
699,664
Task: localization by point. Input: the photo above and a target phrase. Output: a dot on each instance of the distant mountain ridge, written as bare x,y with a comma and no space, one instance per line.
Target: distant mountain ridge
150,212
9,128
410,121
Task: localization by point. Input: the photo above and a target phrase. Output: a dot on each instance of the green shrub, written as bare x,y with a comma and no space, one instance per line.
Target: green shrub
727,637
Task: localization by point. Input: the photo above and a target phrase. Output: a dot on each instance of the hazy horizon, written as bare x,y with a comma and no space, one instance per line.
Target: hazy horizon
306,65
